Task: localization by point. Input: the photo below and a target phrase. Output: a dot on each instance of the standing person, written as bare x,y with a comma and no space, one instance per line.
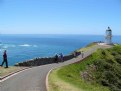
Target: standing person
5,59
61,57
74,53
82,53
56,58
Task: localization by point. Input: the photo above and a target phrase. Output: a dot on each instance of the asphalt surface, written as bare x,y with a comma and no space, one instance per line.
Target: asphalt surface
34,78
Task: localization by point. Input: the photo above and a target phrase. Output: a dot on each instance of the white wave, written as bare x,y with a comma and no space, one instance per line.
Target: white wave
25,45
7,46
4,47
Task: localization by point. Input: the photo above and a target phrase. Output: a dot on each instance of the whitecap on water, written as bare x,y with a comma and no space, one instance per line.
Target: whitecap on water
28,45
25,45
5,46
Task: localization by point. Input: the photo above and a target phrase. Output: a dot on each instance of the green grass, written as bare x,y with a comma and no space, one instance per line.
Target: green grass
106,77
87,47
69,76
57,84
72,75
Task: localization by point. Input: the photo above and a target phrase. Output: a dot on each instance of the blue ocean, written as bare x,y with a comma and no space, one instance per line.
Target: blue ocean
24,47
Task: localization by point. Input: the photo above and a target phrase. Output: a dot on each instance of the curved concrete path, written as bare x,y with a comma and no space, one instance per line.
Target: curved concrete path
34,79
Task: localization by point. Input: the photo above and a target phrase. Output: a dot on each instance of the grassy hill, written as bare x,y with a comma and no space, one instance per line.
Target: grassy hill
99,72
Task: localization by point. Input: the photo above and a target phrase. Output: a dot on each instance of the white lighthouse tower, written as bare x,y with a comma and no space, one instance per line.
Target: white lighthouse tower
108,38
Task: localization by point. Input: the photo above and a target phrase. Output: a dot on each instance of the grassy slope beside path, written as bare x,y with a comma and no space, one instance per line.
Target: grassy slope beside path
102,68
87,47
68,78
57,84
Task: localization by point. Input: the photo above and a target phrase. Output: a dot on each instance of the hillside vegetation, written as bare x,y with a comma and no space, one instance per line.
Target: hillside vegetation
99,72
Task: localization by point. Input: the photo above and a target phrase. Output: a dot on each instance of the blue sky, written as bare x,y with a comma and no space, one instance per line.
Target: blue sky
60,16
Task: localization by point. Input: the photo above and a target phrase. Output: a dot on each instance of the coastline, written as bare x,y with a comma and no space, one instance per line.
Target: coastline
48,60
44,45
37,62
73,60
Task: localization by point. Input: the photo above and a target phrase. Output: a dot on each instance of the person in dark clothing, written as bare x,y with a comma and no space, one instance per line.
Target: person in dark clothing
56,58
61,57
5,59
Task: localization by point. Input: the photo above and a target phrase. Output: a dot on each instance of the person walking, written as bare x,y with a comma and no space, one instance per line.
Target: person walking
61,57
5,59
82,53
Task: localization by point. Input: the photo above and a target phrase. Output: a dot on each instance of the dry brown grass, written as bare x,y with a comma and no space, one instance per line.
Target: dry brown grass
6,71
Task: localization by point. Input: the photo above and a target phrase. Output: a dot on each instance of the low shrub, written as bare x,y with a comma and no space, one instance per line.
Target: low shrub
118,58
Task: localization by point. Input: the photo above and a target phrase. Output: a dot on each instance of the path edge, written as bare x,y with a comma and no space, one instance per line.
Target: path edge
46,80
12,73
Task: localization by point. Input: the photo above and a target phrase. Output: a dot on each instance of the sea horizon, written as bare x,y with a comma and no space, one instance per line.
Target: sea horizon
59,34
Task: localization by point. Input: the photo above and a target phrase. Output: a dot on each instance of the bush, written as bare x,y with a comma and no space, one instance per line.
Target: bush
114,53
118,59
114,88
111,77
104,82
111,61
103,52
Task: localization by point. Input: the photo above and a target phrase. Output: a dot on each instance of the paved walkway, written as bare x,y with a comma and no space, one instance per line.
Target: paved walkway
34,79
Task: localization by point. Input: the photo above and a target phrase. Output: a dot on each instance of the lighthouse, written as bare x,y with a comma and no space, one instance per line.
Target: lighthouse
108,37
